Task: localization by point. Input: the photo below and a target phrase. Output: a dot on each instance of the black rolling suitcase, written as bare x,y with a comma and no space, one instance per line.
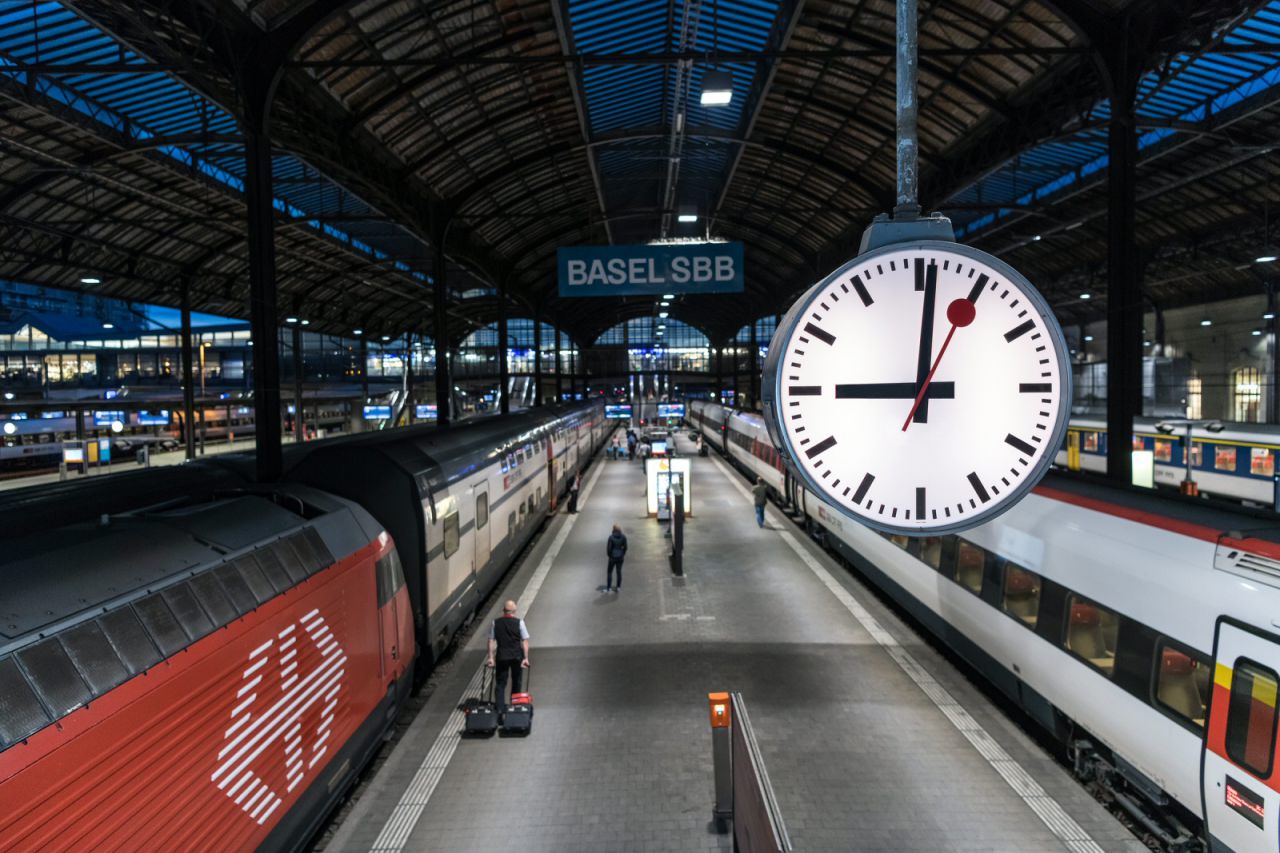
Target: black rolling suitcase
517,716
482,712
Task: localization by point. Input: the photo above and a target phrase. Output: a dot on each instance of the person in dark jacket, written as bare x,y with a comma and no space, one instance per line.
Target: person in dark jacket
508,650
615,548
760,497
575,485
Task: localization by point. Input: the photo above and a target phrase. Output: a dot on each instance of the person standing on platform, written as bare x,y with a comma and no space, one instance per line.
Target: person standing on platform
615,548
617,447
631,445
574,486
760,496
508,651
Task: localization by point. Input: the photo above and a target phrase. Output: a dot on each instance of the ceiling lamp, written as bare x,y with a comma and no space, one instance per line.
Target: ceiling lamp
108,325
1264,259
687,213
1088,337
662,315
668,296
291,319
357,332
90,280
1206,322
1086,295
1270,315
717,88
1257,332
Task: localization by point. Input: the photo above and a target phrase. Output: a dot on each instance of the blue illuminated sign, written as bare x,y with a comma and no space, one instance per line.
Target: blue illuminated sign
157,418
424,411
650,270
105,419
377,413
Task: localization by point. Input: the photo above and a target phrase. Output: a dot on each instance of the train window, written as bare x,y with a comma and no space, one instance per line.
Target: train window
1224,458
1251,717
451,534
287,559
233,583
92,654
1021,594
482,511
54,676
1197,454
969,562
250,570
213,599
539,495
191,616
390,576
1092,632
530,504
931,550
511,524
1182,683
159,621
1091,442
130,640
273,569
900,541
1163,450
1262,462
21,713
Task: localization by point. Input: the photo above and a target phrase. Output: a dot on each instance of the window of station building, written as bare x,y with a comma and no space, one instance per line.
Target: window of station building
452,534
1021,594
1182,683
1224,458
1251,717
482,511
1092,631
970,560
1246,398
1195,397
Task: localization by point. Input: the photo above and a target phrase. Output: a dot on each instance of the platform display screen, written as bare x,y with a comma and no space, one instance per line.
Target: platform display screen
160,417
622,411
658,448
424,412
105,419
377,413
671,410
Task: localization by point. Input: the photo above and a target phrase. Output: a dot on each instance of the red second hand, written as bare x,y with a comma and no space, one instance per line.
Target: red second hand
961,313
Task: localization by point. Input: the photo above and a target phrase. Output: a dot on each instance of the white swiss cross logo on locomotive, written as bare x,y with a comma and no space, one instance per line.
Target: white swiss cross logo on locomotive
268,716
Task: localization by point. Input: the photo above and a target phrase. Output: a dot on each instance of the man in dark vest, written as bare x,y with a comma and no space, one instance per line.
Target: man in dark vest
508,650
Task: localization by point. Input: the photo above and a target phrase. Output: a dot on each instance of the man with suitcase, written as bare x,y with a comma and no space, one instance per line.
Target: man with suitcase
508,651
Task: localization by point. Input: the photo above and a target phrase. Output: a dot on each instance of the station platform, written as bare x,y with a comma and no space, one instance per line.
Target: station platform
872,740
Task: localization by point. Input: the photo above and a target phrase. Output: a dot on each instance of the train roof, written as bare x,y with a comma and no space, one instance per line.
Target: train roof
59,575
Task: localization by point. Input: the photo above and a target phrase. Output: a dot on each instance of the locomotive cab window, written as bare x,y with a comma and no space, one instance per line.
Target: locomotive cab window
482,511
451,533
390,576
1021,594
1182,683
1251,717
1091,633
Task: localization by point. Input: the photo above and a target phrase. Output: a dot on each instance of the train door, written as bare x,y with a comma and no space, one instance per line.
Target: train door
1240,776
551,474
483,546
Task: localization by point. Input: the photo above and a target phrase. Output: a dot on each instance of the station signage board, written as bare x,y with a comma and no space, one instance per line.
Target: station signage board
650,270
105,419
424,411
159,417
377,413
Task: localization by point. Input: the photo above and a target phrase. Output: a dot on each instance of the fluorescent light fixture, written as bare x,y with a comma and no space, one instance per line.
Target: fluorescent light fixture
668,296
10,427
108,325
291,319
306,322
687,217
1146,343
663,315
679,121
1074,225
1264,259
90,280
664,303
8,395
357,332
1035,239
1088,338
717,88
386,337
1270,315
1206,322
1086,295
1257,332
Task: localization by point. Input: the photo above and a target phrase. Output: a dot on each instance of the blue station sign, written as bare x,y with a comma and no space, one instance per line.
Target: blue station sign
645,270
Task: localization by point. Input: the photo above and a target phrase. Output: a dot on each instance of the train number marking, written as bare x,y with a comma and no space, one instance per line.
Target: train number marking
267,714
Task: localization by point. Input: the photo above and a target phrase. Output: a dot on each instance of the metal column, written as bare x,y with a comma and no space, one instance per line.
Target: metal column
444,382
1124,275
537,356
262,304
755,364
409,379
299,428
504,368
364,385
188,377
907,109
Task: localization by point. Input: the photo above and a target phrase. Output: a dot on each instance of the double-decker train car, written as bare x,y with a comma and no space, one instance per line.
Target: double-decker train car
189,660
1138,630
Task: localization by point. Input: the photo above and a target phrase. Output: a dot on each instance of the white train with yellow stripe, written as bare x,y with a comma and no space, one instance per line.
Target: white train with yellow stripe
1140,632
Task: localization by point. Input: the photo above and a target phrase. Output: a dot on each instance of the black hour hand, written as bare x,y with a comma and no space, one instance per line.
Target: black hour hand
894,391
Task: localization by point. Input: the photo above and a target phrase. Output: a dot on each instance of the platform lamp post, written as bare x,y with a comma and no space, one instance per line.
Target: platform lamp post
1188,485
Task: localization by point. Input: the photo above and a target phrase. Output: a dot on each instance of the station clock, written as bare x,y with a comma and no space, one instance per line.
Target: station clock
923,387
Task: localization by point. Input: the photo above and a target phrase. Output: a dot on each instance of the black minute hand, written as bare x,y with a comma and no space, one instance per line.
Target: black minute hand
894,391
925,358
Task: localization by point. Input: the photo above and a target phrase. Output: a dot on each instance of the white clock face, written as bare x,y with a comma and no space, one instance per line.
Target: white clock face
920,388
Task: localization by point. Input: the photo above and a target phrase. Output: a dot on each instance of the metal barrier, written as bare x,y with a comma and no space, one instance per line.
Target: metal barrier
744,794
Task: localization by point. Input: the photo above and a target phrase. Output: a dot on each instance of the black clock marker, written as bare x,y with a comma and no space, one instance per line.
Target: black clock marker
862,488
1018,331
1034,388
919,273
805,390
978,487
826,444
920,502
863,294
977,288
1019,445
826,338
